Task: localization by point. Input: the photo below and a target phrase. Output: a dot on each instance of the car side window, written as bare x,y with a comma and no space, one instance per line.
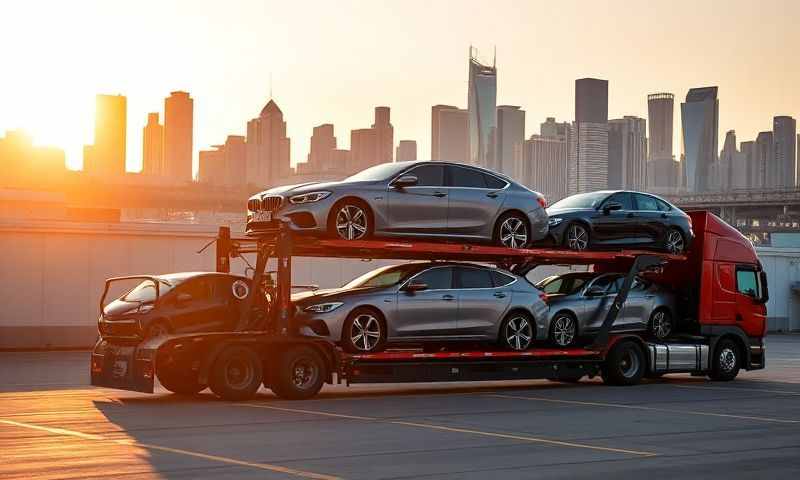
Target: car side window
747,282
494,182
607,283
623,198
465,177
201,289
663,206
646,203
553,286
501,279
437,278
473,278
429,175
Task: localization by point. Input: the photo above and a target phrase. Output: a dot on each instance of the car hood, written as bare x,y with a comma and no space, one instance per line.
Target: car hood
310,187
329,294
566,211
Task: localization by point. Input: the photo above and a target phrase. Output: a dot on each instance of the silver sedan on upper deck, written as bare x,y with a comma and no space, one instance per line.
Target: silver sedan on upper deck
425,199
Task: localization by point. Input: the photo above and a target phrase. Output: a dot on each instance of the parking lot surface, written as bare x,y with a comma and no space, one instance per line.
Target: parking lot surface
53,425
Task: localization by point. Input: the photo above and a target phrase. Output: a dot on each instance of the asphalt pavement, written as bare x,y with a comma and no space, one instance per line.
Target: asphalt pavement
53,425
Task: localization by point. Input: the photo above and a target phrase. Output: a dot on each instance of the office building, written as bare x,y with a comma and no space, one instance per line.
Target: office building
406,151
449,133
320,156
587,168
784,131
106,157
765,158
268,148
552,129
700,124
724,169
510,140
384,135
749,154
482,104
153,146
225,165
545,166
662,170
627,153
363,149
25,165
178,135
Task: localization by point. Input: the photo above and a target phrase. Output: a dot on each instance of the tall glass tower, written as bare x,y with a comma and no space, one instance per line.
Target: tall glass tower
700,118
481,105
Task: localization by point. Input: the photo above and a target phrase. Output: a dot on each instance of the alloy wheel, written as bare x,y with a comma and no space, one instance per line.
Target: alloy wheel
365,333
577,237
351,222
661,326
563,330
519,333
727,359
674,242
514,233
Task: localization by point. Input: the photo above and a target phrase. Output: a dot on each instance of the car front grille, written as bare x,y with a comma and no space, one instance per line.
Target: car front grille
125,329
267,203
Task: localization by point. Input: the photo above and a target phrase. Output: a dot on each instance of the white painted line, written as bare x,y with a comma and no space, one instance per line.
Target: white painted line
734,389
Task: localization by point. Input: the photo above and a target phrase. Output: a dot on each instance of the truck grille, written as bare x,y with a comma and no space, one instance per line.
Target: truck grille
268,203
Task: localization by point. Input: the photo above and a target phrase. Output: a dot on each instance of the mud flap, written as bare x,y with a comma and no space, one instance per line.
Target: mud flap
124,367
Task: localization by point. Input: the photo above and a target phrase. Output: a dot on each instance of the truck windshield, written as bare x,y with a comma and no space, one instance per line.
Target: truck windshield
582,200
384,277
145,292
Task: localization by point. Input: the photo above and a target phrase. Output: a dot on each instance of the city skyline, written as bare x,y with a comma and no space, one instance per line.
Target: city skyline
693,52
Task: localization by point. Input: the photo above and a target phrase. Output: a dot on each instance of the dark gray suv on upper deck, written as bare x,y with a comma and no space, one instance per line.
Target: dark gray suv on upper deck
425,199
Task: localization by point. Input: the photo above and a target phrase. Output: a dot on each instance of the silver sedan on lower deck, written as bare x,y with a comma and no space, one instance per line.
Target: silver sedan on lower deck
579,302
426,302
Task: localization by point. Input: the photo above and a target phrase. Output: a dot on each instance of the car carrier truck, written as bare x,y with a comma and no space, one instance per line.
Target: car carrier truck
721,331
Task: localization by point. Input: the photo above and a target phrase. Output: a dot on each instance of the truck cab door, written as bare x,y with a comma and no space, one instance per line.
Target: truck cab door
751,312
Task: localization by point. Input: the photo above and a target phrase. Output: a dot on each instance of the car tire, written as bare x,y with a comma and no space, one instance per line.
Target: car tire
157,328
179,381
351,219
675,242
660,325
577,237
727,361
513,227
237,373
563,330
625,364
300,373
514,330
364,331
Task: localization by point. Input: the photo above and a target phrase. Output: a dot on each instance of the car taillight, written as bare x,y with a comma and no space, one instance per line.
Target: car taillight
542,201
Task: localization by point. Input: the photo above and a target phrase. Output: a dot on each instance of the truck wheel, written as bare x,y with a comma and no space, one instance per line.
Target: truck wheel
182,382
625,364
726,362
300,373
237,374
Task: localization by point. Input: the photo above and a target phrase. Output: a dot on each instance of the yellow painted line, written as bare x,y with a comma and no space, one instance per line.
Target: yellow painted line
432,426
148,446
734,389
645,408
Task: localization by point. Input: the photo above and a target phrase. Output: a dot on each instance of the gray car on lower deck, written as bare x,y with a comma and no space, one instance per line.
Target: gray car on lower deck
426,302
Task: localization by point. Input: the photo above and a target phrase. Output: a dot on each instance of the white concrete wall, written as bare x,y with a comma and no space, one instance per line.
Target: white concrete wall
783,269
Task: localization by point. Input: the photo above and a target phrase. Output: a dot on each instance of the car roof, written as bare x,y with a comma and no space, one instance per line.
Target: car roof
179,277
458,164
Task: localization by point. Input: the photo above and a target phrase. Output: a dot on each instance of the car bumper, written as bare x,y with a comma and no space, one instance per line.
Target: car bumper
327,325
306,218
538,222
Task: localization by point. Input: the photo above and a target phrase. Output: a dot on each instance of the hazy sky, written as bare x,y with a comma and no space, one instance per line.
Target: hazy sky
333,61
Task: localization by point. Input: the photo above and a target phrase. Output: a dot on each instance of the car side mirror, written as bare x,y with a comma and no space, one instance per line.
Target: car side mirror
611,206
182,299
405,181
595,291
412,287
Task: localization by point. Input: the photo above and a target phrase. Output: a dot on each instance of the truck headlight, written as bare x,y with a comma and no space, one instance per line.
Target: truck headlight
308,197
553,221
323,307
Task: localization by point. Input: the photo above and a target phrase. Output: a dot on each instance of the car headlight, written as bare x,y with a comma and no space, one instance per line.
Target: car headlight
323,307
308,197
553,221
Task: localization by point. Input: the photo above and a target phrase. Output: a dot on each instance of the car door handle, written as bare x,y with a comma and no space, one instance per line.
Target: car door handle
448,298
491,195
439,194
500,295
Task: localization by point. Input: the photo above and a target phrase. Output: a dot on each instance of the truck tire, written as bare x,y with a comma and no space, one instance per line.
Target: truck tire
236,374
299,374
726,362
182,382
625,364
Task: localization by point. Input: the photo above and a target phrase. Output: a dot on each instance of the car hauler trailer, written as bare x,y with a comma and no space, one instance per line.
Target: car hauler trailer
720,279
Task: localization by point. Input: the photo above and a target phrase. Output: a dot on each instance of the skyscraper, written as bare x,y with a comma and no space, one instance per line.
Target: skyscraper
320,156
107,155
384,135
765,157
406,151
482,104
587,168
363,148
727,163
510,144
268,148
449,133
153,146
178,132
784,130
662,171
750,158
700,124
552,129
545,165
225,165
627,153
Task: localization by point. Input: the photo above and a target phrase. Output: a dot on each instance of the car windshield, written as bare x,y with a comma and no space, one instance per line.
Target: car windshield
145,292
563,284
379,172
582,200
384,277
